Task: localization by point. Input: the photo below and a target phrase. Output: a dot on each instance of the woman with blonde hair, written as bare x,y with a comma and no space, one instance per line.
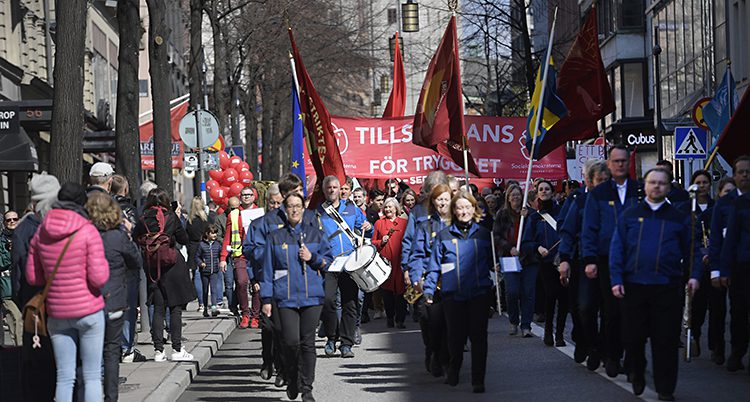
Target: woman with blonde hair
195,227
125,264
461,259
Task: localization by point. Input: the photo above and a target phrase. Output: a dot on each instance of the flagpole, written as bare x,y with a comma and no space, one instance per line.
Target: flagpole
539,118
294,75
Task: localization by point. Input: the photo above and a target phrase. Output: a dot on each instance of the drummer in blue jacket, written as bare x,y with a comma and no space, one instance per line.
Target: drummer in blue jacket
339,235
461,259
294,262
650,248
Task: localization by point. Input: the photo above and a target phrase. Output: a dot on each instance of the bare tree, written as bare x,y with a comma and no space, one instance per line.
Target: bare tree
67,109
158,37
127,139
195,62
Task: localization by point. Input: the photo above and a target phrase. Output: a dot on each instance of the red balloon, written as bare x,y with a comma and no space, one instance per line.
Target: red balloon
230,176
217,193
243,166
234,161
235,189
223,159
216,174
246,177
211,184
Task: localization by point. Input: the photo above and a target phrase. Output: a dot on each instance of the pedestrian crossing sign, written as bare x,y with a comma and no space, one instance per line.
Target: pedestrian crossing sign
690,143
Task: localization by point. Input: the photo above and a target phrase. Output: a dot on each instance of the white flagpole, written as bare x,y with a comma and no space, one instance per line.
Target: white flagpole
294,75
537,123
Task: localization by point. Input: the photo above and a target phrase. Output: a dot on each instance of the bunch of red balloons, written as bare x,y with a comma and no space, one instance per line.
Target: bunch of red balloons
228,181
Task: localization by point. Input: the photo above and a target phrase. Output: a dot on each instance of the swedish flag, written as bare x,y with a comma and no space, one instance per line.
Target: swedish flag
298,140
553,106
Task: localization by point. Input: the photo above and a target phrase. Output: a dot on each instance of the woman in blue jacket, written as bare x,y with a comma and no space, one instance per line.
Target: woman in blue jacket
461,259
432,318
540,242
294,265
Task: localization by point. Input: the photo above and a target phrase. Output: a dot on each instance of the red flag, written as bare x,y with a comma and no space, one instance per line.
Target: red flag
583,86
397,101
146,133
734,140
439,120
631,165
321,142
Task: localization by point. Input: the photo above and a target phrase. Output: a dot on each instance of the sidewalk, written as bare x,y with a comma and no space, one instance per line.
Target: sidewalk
155,382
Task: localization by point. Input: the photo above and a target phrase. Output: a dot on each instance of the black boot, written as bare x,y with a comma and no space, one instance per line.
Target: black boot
436,368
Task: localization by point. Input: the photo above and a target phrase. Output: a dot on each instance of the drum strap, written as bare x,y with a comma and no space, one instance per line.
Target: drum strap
340,222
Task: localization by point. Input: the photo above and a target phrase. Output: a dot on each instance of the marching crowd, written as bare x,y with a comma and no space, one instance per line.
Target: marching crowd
618,255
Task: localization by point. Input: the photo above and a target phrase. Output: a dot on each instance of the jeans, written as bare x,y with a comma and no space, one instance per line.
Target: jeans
67,336
298,338
520,289
229,286
112,352
130,316
214,282
198,283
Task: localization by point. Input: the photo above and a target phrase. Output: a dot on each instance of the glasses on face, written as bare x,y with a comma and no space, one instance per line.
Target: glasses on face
296,207
247,195
10,220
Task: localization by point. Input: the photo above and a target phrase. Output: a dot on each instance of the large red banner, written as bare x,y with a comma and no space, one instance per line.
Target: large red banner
382,148
146,131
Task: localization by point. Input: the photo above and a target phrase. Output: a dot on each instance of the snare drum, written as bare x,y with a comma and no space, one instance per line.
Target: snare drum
367,268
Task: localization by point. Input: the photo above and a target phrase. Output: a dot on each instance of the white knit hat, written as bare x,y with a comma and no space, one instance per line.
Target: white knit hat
43,186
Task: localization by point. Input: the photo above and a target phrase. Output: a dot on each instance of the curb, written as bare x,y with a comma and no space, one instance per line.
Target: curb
180,377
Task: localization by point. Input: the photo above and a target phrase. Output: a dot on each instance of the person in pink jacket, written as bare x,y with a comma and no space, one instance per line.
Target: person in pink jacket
75,316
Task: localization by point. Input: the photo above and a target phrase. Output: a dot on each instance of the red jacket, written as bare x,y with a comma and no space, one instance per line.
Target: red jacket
74,293
391,251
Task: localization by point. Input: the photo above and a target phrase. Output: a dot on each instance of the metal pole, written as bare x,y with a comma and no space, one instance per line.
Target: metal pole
538,122
657,95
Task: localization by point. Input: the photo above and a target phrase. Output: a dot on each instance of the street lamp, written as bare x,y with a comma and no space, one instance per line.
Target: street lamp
656,52
392,46
410,16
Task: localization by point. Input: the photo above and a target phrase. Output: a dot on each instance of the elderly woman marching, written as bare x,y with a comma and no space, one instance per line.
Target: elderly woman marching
389,231
294,265
461,258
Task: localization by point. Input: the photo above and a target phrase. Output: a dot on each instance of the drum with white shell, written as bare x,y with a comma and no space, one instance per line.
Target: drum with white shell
368,269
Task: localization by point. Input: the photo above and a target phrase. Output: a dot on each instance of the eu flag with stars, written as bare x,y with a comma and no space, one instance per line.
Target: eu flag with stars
552,106
298,140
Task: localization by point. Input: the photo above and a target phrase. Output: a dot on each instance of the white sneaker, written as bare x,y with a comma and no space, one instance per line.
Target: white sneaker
160,356
182,356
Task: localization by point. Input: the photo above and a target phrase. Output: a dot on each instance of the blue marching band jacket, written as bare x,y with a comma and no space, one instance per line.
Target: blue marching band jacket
569,226
653,247
719,222
735,252
285,277
353,216
538,232
421,247
462,262
417,215
600,216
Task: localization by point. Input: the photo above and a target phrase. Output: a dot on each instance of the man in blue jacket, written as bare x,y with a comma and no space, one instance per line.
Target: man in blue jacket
341,245
735,260
649,245
604,205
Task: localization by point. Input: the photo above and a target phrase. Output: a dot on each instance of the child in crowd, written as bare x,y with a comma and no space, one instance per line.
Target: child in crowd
207,258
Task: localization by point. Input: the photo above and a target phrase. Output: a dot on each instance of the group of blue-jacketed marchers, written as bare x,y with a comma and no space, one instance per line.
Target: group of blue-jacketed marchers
617,254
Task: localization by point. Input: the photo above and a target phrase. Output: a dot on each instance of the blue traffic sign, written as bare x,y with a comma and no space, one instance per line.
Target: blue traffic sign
690,143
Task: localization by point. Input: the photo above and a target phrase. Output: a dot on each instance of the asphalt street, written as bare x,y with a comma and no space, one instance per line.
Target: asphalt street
388,367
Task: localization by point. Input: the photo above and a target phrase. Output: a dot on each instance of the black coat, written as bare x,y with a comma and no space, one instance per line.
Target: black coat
125,261
194,231
175,283
25,230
